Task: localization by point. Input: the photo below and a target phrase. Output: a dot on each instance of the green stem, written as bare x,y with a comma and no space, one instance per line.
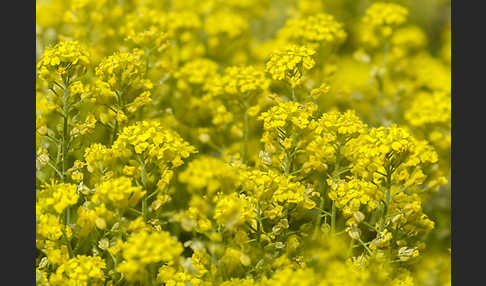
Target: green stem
65,132
244,155
369,225
65,144
144,183
55,169
321,207
387,202
365,246
259,224
287,164
293,95
119,106
147,59
135,211
68,216
333,218
350,250
336,174
151,274
115,263
385,53
68,244
115,131
144,208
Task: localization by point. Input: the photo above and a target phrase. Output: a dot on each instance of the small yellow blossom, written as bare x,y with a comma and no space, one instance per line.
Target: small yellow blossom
81,270
288,64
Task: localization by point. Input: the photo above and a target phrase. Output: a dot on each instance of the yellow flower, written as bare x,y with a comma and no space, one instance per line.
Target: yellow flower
148,138
288,64
208,175
97,157
67,59
226,24
270,187
232,210
430,108
282,124
239,81
320,28
384,17
143,249
124,75
118,192
333,131
387,149
56,197
350,195
82,270
195,72
48,226
90,217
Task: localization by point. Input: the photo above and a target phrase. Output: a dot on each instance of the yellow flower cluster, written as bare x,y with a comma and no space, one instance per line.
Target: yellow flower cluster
196,217
181,22
232,210
407,39
146,29
431,114
81,270
91,217
97,157
143,249
333,131
384,17
122,85
242,142
288,64
196,72
430,73
289,276
282,121
224,24
123,70
169,277
154,142
118,192
56,197
430,109
385,150
239,82
409,216
63,62
271,187
208,175
320,28
288,114
351,194
48,226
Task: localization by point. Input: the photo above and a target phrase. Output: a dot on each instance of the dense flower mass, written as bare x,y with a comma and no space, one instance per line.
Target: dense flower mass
82,270
240,81
319,28
385,16
242,142
65,60
143,249
119,192
152,141
289,63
